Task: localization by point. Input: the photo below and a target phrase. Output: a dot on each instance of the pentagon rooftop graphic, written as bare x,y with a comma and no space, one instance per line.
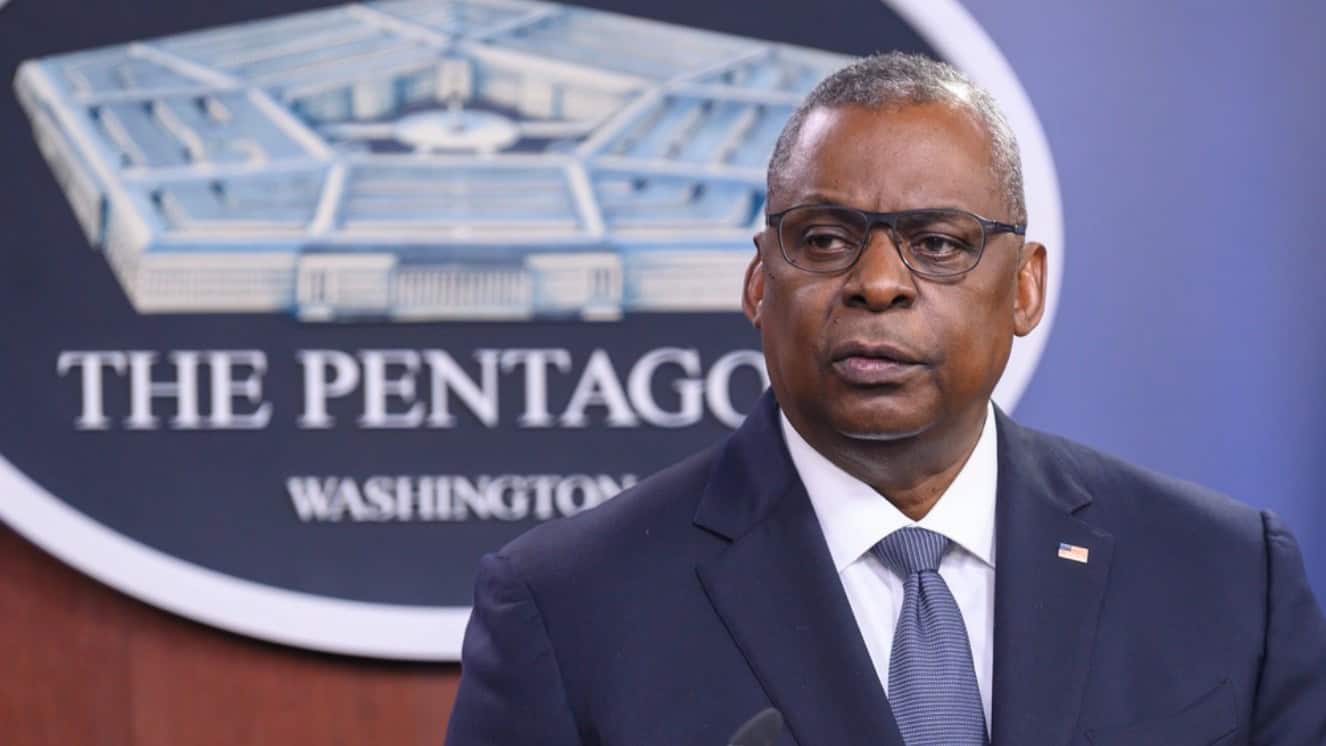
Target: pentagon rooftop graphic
422,160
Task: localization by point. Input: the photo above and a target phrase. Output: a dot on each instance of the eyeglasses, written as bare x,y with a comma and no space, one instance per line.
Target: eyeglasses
933,243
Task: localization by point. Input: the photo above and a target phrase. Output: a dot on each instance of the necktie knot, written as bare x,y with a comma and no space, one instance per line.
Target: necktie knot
911,550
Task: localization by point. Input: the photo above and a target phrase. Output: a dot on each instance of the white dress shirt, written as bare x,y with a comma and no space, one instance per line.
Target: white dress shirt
854,517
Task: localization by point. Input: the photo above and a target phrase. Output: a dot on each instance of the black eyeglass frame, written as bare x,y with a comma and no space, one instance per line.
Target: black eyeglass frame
890,219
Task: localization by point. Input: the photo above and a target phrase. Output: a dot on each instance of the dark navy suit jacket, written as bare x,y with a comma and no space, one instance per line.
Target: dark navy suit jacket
674,612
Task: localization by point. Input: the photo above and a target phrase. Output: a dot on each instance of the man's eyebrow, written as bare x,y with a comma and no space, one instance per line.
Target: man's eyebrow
815,198
819,198
839,200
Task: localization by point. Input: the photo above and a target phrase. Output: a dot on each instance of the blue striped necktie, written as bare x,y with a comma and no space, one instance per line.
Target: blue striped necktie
932,682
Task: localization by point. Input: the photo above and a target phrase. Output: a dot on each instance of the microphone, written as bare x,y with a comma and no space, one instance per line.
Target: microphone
761,730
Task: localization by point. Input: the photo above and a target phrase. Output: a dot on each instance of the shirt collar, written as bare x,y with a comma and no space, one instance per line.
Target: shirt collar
854,517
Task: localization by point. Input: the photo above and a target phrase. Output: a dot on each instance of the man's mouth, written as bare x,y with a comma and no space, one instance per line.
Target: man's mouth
865,364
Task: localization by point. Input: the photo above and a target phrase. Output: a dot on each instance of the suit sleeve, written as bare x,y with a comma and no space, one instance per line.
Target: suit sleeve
511,691
1290,703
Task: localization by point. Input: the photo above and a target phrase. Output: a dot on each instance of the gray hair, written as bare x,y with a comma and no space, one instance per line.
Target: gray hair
887,80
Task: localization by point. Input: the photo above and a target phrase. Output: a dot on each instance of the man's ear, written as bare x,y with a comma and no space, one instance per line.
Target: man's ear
752,295
1029,302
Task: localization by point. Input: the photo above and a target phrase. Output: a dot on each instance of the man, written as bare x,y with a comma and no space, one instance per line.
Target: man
878,552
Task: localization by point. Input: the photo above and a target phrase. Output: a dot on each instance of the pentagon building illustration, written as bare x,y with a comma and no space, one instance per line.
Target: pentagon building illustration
408,160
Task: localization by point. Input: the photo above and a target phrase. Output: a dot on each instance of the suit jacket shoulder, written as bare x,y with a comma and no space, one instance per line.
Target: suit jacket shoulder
1133,500
1206,629
612,538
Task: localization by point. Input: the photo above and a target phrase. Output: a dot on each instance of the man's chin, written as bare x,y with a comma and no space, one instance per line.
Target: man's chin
881,415
881,436
882,428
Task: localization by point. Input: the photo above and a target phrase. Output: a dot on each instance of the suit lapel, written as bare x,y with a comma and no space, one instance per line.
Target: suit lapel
777,592
1046,607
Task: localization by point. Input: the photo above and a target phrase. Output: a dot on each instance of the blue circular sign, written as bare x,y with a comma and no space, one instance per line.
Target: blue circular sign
307,312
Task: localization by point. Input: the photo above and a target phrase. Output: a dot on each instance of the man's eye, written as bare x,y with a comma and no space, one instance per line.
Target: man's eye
939,246
826,241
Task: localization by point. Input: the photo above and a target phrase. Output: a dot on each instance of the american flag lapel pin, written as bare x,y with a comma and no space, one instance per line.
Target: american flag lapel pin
1073,552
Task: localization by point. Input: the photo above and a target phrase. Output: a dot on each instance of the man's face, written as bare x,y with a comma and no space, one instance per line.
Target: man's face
875,351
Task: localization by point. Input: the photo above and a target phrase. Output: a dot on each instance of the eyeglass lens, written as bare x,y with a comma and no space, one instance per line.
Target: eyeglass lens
932,242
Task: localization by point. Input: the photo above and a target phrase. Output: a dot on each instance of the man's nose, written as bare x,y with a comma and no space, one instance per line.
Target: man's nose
880,280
